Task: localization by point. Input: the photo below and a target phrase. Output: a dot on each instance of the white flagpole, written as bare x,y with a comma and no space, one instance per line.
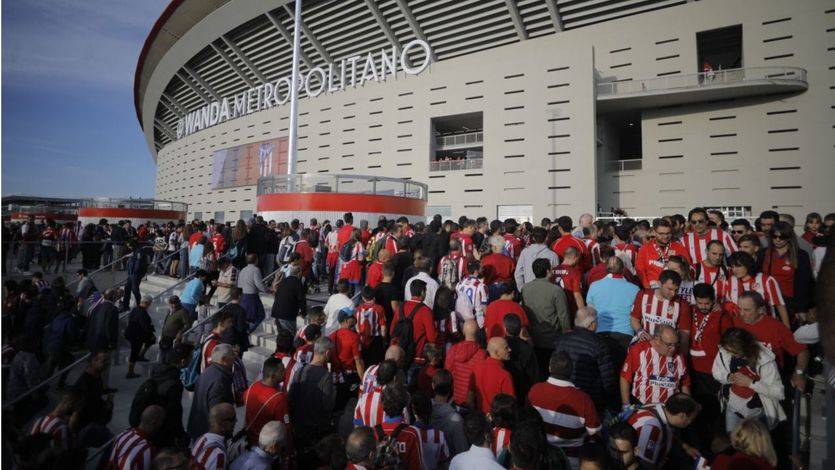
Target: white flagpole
294,94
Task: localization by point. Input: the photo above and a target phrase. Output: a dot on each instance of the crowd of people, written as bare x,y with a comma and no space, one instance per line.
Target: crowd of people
671,343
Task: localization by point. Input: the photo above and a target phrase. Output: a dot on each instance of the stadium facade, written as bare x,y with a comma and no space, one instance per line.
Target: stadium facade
504,108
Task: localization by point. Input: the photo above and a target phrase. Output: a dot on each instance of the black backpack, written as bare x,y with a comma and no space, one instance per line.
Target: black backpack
404,333
147,395
347,251
388,455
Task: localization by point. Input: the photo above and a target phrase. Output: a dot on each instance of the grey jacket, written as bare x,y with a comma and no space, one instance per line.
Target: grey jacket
547,311
213,386
524,267
446,419
103,327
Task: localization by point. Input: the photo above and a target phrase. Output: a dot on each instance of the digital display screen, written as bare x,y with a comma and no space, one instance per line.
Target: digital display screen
245,164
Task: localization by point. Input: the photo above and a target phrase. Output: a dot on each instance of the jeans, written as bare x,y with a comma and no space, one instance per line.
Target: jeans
158,255
732,419
191,309
118,251
131,286
288,325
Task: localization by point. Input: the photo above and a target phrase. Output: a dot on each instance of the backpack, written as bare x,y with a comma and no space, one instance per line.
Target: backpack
388,455
288,246
190,373
347,251
449,275
147,395
375,246
404,333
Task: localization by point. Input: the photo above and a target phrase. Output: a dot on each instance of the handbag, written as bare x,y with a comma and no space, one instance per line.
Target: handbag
239,442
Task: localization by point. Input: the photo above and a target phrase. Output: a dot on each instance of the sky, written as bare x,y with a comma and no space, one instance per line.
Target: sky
69,127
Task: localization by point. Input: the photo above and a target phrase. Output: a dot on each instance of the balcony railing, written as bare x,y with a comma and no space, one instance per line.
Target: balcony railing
129,203
452,165
346,184
460,139
703,79
624,165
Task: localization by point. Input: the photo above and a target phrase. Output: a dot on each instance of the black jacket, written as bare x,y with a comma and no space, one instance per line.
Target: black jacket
239,333
594,372
214,386
140,328
103,327
290,299
170,391
522,365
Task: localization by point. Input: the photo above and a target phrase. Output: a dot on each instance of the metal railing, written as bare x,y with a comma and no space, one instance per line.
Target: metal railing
130,203
460,139
452,165
344,184
702,79
624,165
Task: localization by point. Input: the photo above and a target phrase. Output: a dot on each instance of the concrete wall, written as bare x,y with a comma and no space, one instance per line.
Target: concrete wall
537,97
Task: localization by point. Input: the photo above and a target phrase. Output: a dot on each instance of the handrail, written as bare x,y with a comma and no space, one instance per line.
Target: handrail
103,268
342,183
107,445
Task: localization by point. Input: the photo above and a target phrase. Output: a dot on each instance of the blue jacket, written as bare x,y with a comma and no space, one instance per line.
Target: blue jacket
63,332
137,264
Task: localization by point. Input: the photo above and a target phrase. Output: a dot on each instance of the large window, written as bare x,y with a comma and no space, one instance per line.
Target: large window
457,142
719,49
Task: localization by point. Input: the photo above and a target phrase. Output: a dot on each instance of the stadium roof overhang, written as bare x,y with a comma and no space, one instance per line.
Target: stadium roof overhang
201,50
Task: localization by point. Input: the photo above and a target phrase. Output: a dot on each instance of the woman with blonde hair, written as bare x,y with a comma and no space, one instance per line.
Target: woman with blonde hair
753,448
682,267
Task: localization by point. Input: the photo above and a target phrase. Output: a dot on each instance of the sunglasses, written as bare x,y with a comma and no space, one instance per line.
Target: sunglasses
739,232
698,221
780,236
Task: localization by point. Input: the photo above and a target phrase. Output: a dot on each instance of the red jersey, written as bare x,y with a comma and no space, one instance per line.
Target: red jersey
654,377
780,269
289,365
391,244
433,445
411,457
706,332
774,335
208,346
272,404
460,361
371,321
594,250
369,409
218,242
374,274
131,451
655,435
494,316
808,236
467,248
303,248
194,238
766,285
568,413
501,267
567,240
424,378
346,350
423,324
209,453
365,235
343,235
652,310
596,273
570,278
501,441
652,259
696,245
490,379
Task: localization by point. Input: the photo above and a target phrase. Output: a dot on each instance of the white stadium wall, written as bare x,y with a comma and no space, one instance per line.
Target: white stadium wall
545,139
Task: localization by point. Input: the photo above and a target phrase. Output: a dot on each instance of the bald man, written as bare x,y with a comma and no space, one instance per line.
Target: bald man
132,448
210,448
490,377
393,353
654,370
460,359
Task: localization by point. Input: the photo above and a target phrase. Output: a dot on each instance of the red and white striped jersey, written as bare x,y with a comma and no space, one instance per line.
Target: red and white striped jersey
627,252
458,261
55,427
391,245
501,441
652,310
696,245
655,436
369,409
371,320
766,285
304,354
131,451
654,377
594,250
433,446
512,246
209,452
472,299
369,379
568,413
208,346
713,275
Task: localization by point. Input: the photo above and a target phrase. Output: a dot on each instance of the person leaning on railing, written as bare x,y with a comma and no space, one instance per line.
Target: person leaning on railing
176,322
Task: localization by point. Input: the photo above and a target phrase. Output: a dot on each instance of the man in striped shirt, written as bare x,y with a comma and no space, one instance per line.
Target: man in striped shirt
654,425
55,423
711,270
369,409
209,450
433,441
222,322
568,412
696,241
654,370
661,306
472,296
132,449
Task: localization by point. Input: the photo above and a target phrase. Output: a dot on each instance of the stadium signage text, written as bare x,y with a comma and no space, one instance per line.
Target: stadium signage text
349,72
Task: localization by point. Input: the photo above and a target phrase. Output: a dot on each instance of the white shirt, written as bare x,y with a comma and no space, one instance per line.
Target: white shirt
480,458
336,302
431,288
